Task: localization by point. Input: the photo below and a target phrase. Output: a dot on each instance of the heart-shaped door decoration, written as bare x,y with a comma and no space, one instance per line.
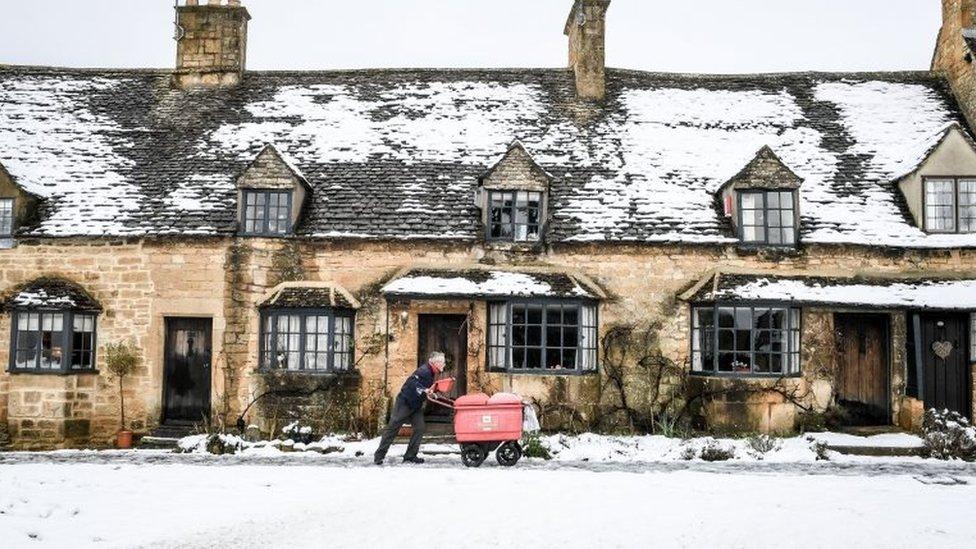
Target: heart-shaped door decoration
942,349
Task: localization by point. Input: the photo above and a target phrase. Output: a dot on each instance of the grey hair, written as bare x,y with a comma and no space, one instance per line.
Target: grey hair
437,357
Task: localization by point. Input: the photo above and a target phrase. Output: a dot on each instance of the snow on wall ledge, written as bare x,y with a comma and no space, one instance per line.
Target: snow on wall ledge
486,284
930,294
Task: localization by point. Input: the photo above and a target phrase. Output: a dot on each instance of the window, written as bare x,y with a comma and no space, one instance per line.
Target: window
6,217
267,212
768,217
746,340
950,205
514,216
311,340
53,341
972,337
542,337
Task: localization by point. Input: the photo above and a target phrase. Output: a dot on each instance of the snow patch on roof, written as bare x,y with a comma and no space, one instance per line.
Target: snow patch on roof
487,284
56,148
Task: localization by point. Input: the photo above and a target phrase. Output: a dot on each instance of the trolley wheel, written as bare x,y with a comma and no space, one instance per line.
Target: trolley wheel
473,455
508,454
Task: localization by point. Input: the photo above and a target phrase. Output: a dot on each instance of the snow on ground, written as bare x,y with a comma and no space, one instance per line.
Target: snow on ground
170,506
594,448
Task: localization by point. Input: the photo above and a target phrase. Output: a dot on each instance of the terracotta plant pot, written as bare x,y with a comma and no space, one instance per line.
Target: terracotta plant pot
123,440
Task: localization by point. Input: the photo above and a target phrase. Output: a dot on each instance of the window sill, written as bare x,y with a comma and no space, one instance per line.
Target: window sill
546,373
750,376
62,373
308,373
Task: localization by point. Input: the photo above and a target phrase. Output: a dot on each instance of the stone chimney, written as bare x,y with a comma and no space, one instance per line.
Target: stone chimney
211,43
955,51
587,29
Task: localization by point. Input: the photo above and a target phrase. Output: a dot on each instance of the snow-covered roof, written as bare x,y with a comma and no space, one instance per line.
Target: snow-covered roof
50,293
397,154
477,283
922,293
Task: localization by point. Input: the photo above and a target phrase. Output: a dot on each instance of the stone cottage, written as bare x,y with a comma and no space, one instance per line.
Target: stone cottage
623,248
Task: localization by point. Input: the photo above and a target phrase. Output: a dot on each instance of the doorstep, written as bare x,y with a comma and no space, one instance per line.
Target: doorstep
872,442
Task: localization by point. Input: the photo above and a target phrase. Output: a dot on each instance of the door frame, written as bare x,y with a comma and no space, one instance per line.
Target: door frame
461,380
887,350
167,320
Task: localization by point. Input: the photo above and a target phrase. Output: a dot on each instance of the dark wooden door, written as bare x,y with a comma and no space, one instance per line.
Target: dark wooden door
945,369
449,335
186,370
862,376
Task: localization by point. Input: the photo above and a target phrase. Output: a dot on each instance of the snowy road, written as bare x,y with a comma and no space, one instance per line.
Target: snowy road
190,506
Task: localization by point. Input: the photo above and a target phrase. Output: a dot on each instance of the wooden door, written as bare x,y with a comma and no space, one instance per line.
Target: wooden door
945,369
449,335
862,376
186,370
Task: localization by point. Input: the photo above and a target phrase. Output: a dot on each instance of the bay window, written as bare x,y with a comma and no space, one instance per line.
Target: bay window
307,340
542,336
52,341
746,340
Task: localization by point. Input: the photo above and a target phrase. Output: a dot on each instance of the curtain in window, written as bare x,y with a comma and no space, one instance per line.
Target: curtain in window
588,338
497,332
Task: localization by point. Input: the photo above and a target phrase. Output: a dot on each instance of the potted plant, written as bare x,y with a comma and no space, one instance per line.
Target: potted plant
121,359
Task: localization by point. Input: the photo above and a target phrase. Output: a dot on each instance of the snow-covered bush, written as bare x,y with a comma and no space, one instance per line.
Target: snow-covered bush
217,444
297,432
763,444
948,435
713,451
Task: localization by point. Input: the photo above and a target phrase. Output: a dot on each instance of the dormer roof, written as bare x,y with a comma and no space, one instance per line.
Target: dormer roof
764,171
516,169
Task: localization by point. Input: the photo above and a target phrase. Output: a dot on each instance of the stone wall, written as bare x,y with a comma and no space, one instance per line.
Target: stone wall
212,50
139,284
953,58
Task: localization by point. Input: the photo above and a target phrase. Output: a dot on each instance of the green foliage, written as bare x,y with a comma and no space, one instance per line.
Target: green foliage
533,447
122,358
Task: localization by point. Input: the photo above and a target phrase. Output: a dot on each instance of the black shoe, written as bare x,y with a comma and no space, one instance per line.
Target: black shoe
378,461
416,460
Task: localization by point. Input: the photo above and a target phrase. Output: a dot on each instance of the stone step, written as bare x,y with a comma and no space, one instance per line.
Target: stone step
877,451
157,443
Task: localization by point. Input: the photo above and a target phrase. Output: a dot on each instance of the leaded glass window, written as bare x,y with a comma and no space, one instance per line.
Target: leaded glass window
6,217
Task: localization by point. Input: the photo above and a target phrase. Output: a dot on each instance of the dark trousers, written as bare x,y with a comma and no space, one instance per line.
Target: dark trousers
402,414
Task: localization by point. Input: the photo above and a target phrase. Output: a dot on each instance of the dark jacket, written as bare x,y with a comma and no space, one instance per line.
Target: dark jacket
412,393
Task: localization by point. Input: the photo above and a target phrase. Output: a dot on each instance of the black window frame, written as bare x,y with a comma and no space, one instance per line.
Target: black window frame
507,347
265,229
67,342
793,340
957,205
266,354
794,196
513,223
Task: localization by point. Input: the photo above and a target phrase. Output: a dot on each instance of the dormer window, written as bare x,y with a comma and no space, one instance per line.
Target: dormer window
271,194
767,217
515,216
950,205
513,197
267,212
